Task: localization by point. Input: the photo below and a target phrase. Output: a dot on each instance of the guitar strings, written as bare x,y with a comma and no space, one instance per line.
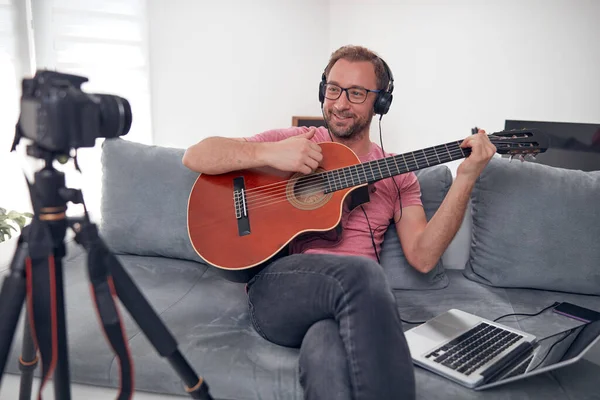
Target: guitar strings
308,181
419,158
427,153
385,163
276,196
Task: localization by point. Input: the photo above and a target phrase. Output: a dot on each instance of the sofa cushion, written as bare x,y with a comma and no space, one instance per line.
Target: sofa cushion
536,226
145,190
434,182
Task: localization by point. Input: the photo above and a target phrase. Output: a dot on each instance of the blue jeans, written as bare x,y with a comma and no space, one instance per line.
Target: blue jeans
341,313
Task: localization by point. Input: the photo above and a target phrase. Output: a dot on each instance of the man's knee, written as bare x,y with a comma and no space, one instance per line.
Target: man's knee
365,273
321,346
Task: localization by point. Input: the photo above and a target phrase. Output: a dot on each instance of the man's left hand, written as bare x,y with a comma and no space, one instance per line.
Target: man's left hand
482,150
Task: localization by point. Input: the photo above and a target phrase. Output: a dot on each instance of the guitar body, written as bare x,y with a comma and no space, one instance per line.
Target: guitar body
239,233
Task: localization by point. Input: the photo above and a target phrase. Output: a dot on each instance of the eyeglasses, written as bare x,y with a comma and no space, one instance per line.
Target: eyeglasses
354,94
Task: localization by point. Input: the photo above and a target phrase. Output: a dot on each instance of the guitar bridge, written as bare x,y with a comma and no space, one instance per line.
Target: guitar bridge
241,206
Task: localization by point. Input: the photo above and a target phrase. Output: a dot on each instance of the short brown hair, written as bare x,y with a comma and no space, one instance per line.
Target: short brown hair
359,53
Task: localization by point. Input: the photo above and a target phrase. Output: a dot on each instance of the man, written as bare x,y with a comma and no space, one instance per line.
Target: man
332,299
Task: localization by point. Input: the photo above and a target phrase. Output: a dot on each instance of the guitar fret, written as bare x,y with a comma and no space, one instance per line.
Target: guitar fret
337,173
461,149
404,159
415,158
362,179
372,172
343,183
380,173
450,154
426,159
357,176
329,190
396,164
365,172
436,154
385,161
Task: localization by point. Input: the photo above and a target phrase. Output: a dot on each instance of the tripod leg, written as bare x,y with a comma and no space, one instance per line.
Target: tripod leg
12,298
156,332
27,362
102,262
61,375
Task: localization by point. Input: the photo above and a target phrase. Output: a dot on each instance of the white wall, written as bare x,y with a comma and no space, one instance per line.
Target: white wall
472,63
235,67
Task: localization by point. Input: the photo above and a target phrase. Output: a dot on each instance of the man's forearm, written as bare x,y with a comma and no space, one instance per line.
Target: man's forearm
443,226
218,155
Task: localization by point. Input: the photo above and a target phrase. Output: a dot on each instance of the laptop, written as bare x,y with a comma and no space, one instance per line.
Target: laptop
480,354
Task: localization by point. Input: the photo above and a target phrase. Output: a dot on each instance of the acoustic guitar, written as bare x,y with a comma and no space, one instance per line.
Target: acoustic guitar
239,221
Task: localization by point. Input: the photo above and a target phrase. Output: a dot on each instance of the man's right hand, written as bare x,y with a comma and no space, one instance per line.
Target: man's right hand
295,154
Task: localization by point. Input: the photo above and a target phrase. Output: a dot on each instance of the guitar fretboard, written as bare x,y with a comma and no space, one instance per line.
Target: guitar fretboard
373,171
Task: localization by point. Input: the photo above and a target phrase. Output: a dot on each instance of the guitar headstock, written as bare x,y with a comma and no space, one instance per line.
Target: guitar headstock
520,142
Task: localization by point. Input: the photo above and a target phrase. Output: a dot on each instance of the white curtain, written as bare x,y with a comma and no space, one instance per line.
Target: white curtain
13,189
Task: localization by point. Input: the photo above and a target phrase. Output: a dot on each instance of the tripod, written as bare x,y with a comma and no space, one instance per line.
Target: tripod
36,273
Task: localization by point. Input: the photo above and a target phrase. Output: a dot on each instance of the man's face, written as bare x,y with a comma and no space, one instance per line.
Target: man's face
345,119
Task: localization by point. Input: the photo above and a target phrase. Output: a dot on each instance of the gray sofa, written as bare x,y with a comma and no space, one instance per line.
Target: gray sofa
530,238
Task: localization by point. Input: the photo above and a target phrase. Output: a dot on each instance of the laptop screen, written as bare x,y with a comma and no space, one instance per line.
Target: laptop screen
556,349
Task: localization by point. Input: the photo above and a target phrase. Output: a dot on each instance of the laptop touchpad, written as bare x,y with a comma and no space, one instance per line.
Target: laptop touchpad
437,331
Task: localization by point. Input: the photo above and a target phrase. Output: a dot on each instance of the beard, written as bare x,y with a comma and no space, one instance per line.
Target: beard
351,128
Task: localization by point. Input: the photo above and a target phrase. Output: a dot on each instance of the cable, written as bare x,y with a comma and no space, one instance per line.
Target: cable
560,333
529,315
413,323
553,344
371,232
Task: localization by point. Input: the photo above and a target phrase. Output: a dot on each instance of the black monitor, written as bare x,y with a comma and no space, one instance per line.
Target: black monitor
572,145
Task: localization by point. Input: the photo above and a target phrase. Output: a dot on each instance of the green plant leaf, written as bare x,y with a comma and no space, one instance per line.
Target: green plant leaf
20,221
5,232
7,227
14,214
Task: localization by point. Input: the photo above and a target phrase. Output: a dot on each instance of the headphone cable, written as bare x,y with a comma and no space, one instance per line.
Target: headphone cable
393,179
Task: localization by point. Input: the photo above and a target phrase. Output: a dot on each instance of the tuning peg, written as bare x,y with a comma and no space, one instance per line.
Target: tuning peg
531,157
521,157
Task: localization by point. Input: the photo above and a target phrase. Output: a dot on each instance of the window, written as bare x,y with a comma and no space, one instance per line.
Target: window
102,40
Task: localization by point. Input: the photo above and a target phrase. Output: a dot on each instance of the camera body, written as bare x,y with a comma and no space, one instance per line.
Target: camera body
58,116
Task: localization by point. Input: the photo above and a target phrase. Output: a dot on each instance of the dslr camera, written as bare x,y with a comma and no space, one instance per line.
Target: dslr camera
58,116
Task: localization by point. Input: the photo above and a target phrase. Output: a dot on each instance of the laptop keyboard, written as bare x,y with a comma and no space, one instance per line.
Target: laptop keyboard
474,348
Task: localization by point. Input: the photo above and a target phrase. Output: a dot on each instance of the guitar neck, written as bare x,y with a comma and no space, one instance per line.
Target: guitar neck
376,170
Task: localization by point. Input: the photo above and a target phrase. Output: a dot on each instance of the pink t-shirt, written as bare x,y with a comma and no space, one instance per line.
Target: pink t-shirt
383,203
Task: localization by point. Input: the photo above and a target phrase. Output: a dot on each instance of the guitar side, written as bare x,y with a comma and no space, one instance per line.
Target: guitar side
235,233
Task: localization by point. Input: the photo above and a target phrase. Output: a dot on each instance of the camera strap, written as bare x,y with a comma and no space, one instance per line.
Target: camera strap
104,294
41,298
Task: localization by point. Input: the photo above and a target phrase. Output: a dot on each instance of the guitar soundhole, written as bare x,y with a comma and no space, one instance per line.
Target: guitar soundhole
307,192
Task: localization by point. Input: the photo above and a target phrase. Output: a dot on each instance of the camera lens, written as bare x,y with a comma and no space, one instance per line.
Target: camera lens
115,116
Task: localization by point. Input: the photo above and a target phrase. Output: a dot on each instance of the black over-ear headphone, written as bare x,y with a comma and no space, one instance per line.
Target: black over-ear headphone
384,98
